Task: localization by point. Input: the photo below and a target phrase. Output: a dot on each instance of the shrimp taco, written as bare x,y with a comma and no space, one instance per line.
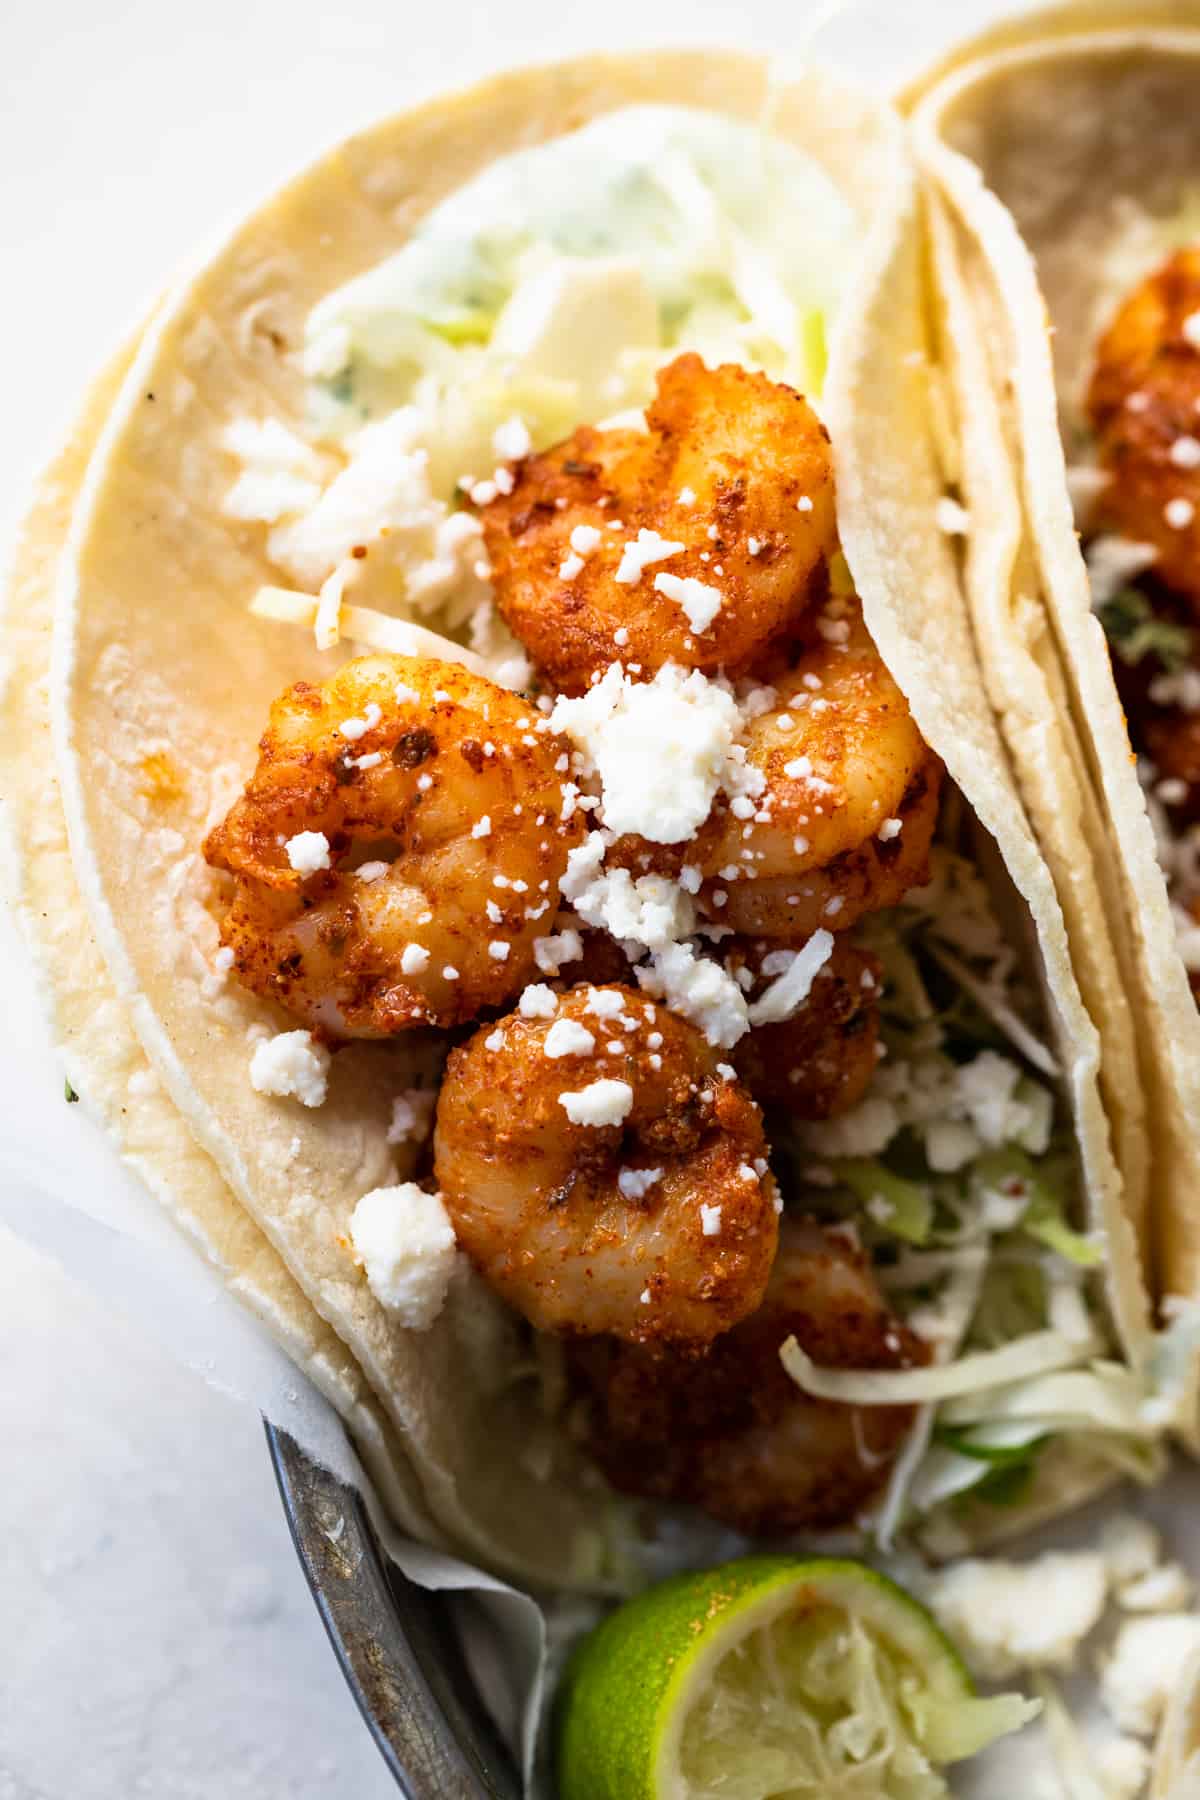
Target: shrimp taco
1065,154
622,991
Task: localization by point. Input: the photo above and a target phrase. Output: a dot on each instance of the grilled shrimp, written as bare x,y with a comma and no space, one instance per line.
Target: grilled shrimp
733,472
397,850
601,1174
1144,402
817,1063
728,1431
845,819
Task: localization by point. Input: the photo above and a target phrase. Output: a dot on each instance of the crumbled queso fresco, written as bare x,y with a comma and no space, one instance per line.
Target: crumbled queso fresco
308,851
405,1242
291,1066
603,1102
1016,1619
661,749
412,1116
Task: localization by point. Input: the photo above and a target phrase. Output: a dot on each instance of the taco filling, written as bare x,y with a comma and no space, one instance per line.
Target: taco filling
744,1101
1143,404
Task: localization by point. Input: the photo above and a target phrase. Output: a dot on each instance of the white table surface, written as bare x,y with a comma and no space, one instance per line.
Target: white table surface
157,1635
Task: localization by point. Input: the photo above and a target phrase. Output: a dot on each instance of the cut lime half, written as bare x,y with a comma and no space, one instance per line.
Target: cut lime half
771,1679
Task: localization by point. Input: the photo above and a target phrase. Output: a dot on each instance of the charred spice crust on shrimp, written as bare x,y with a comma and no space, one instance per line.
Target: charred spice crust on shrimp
399,859
444,846
733,470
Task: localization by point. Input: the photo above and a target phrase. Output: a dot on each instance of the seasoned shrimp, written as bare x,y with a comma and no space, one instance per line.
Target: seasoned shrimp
601,1175
728,1431
733,473
1144,403
1172,740
817,1063
397,850
844,822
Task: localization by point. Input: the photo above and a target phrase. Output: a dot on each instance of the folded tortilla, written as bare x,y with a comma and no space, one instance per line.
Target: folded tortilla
1043,142
162,679
104,1061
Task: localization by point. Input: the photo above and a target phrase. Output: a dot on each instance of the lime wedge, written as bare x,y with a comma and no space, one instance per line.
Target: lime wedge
771,1679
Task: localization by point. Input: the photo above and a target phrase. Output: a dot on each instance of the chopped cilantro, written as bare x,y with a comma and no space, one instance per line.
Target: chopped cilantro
69,1094
1007,1482
1134,631
904,1208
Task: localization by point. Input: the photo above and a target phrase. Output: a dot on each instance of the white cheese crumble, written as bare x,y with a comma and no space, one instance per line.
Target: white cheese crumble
700,602
511,441
585,539
700,990
1131,1547
986,1102
1185,452
499,950
570,567
1137,1677
635,1184
381,501
1179,513
550,953
1008,1616
710,1220
889,829
538,1002
661,748
1167,1589
567,1037
603,1102
414,959
1190,330
405,1242
648,910
640,552
482,827
291,1065
412,1116
308,851
605,1003
800,769
281,474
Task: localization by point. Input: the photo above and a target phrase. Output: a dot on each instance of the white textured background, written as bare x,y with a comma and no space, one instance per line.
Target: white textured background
156,1636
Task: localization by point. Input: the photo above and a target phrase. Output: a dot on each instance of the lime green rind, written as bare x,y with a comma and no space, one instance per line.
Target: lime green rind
627,1683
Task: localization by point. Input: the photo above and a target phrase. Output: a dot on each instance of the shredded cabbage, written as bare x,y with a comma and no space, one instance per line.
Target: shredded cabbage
362,625
1080,1775
977,1372
955,1174
582,264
